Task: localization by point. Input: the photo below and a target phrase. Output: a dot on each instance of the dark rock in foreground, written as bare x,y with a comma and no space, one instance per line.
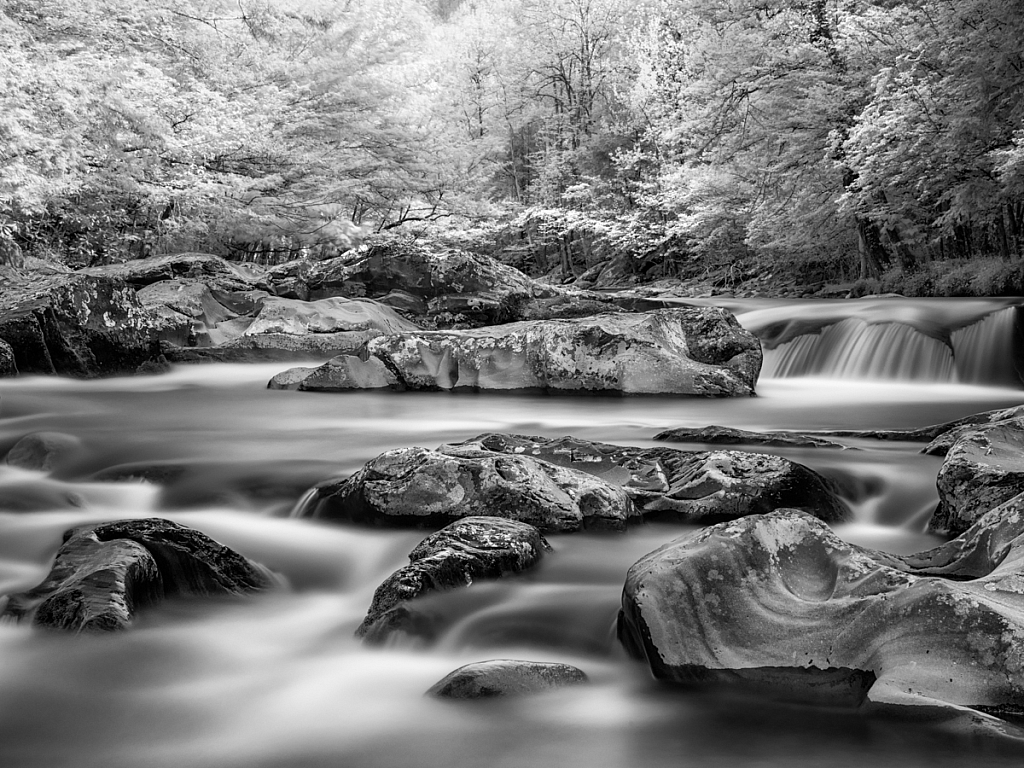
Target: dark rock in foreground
983,468
694,351
780,601
505,677
470,549
77,325
419,487
716,435
681,485
104,574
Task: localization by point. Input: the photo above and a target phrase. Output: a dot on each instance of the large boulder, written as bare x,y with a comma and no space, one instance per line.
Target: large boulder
694,351
208,316
505,677
280,329
780,604
435,281
103,574
681,485
420,487
466,551
206,268
76,325
983,468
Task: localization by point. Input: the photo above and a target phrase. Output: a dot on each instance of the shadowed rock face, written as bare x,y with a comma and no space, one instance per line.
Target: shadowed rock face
780,603
419,487
104,574
466,551
77,325
7,365
984,467
505,677
681,485
693,351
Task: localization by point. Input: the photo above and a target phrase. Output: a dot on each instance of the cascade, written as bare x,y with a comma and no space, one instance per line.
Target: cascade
942,341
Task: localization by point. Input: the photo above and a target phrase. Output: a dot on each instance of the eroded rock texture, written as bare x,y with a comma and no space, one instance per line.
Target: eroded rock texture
778,602
466,551
693,351
420,487
716,435
983,467
505,677
77,325
103,574
681,485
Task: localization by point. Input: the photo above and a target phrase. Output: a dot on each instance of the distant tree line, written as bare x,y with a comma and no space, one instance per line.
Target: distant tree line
831,138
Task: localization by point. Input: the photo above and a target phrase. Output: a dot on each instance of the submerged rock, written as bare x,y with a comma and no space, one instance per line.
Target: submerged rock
983,468
420,487
505,677
694,351
103,574
731,436
44,451
469,549
77,325
681,485
779,603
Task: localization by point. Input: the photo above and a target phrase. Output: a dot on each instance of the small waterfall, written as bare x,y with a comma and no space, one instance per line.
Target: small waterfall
981,353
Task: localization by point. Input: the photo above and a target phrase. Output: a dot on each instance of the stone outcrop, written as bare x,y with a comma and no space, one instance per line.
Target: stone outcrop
434,282
8,367
103,574
420,487
466,551
282,329
213,271
700,351
505,677
715,435
780,604
76,325
681,485
983,468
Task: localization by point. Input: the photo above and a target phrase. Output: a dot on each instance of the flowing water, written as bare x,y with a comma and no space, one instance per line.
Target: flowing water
278,679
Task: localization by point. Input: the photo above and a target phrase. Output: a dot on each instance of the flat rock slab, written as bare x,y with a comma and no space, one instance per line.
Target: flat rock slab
693,351
419,488
687,486
715,435
781,601
505,677
466,551
983,468
104,574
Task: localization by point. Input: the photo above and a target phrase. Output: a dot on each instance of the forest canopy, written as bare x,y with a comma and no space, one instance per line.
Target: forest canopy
674,137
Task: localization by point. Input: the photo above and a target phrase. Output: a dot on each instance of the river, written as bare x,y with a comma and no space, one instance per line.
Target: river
279,680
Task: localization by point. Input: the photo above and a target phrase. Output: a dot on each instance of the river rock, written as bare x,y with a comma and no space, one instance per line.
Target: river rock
337,374
446,281
76,325
210,270
505,677
44,451
731,436
420,487
210,316
466,551
681,485
983,468
103,574
7,365
696,351
780,604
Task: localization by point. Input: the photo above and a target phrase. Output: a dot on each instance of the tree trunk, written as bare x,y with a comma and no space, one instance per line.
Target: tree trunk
872,254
